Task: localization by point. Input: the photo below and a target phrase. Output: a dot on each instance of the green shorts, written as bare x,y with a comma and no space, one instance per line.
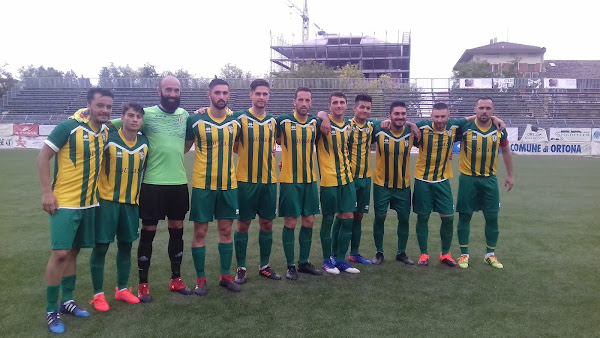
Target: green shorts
394,198
257,198
72,228
120,219
477,193
296,199
363,194
210,204
432,196
338,199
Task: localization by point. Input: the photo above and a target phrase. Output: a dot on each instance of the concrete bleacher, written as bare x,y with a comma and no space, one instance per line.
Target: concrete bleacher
545,108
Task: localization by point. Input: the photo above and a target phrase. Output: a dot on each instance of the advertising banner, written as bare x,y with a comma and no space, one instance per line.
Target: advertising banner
34,142
475,83
552,148
571,134
46,129
595,134
560,83
6,130
26,130
513,134
596,148
503,83
534,135
6,142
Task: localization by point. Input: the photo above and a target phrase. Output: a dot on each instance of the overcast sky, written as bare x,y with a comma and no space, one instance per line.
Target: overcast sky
202,36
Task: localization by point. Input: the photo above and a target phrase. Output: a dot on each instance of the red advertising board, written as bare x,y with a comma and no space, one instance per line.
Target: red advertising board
26,129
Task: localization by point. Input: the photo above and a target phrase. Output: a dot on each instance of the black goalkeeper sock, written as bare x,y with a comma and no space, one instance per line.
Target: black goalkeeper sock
175,251
145,254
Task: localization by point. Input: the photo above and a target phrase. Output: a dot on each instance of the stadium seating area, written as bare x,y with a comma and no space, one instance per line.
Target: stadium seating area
544,108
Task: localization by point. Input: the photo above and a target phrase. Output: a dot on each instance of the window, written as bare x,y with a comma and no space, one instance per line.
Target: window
531,68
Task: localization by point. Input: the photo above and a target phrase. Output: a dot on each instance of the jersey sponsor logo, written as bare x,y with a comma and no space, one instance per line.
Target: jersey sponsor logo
159,116
180,119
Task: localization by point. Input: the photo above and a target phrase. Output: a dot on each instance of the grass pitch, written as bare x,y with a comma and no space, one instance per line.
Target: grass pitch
549,245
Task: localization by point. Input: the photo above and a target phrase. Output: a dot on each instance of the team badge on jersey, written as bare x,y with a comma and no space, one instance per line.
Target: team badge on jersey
449,132
270,126
494,137
406,143
230,128
142,155
367,130
312,128
180,119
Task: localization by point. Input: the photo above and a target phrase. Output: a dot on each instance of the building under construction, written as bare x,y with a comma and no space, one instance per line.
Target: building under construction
374,57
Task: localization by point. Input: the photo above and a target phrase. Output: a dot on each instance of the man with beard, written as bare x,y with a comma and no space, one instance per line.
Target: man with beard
298,191
477,184
214,183
392,180
257,179
71,200
164,191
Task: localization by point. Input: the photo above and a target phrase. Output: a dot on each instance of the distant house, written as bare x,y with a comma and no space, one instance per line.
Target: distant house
500,55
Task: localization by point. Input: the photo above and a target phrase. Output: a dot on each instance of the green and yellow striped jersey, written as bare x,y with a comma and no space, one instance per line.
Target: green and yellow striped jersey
479,149
359,149
122,168
297,146
79,147
435,147
256,163
332,154
392,159
213,141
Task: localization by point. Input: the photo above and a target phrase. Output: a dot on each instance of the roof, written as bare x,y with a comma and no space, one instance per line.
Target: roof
500,48
336,39
572,69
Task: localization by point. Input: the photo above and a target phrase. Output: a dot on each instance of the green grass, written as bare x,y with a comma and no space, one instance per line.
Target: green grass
549,241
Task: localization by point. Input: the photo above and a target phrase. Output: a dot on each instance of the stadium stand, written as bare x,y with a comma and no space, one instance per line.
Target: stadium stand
517,106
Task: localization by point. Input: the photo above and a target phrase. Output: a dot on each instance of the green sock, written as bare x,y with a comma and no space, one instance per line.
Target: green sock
199,256
326,235
446,230
356,233
287,238
265,242
97,259
378,227
241,244
305,240
344,237
123,264
67,285
463,230
52,297
335,233
423,232
491,230
402,233
226,255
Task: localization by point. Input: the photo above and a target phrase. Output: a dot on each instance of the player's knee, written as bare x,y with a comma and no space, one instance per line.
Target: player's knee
175,224
266,224
464,217
243,226
358,216
59,256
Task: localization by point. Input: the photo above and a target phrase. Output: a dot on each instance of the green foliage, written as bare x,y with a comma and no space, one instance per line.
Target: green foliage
309,70
230,71
475,68
544,276
350,71
41,71
513,68
6,81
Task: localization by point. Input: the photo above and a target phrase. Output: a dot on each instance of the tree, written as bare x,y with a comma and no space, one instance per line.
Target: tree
40,71
230,71
6,81
350,71
310,70
513,68
147,71
475,69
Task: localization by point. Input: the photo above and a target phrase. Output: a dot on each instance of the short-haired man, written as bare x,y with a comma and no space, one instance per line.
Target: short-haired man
257,179
477,184
125,154
214,183
71,200
164,190
337,186
298,194
392,180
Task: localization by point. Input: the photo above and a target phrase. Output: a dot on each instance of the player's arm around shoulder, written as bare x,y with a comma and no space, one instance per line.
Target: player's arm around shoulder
323,122
508,162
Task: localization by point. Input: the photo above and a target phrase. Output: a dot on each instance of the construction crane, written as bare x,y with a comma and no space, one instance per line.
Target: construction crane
305,20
